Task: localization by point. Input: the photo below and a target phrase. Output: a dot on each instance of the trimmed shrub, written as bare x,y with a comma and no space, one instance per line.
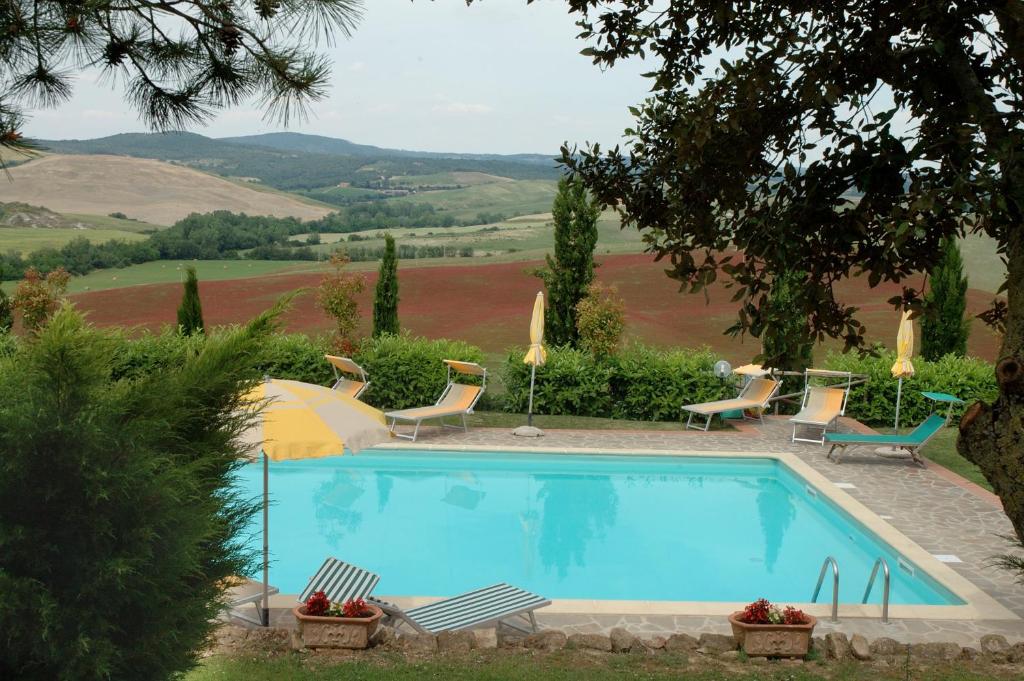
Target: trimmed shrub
149,353
407,371
571,382
650,384
874,403
297,357
640,383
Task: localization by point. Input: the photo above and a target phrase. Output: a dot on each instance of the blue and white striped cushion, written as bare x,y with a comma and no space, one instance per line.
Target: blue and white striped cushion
340,582
474,608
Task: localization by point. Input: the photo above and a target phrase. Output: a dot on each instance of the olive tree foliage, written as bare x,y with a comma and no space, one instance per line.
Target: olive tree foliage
180,61
838,138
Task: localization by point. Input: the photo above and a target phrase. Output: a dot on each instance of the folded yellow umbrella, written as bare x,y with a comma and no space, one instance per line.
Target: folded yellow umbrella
536,355
903,367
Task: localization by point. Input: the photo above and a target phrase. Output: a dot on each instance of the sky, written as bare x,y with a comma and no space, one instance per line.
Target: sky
497,77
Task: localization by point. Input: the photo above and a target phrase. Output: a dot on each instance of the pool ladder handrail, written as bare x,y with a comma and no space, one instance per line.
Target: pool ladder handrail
835,585
885,588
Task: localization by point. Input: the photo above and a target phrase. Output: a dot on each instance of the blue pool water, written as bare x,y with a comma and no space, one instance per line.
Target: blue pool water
566,526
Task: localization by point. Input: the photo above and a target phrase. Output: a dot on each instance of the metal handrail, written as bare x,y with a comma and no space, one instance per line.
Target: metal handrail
835,586
885,587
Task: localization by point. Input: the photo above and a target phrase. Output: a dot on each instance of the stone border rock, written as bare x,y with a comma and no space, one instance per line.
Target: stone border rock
994,649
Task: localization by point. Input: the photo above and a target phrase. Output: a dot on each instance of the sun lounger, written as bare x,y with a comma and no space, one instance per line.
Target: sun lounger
244,591
756,394
457,400
349,377
822,405
912,442
495,605
340,582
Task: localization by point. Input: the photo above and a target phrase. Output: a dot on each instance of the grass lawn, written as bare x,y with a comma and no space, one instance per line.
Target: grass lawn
488,666
497,419
942,450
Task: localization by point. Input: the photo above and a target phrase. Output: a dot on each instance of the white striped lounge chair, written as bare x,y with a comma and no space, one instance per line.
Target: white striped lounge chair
243,591
495,605
340,582
457,400
349,378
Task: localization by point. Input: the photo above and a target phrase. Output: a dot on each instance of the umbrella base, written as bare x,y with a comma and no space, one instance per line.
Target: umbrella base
528,431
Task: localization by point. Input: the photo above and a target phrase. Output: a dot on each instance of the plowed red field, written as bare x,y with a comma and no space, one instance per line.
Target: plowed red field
489,305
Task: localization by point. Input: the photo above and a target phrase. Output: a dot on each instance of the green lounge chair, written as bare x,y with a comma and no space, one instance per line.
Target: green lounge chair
912,442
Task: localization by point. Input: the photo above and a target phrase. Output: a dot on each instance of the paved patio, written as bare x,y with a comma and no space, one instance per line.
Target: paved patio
943,513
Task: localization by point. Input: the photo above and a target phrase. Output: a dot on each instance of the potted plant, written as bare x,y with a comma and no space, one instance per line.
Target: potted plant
765,630
326,625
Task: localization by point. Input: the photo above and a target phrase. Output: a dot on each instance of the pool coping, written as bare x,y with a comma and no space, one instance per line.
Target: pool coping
978,605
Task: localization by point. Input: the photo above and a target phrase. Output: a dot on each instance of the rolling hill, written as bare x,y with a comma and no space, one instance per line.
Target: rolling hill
147,190
290,161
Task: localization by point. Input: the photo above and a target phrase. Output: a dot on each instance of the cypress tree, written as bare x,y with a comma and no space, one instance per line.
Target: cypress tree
571,271
385,297
787,343
190,313
944,327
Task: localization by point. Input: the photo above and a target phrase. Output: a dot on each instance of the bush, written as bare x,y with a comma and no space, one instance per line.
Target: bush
119,518
874,403
570,382
640,383
600,320
296,357
406,371
150,353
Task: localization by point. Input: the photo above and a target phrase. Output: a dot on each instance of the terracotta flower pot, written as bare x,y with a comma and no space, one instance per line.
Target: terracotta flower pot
337,632
773,640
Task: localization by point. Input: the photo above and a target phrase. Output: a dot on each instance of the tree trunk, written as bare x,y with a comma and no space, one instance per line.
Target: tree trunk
992,435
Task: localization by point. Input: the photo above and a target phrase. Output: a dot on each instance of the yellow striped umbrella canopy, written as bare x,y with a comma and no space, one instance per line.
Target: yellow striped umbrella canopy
305,421
537,355
903,367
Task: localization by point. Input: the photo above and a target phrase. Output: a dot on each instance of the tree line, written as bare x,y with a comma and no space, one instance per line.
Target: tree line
223,235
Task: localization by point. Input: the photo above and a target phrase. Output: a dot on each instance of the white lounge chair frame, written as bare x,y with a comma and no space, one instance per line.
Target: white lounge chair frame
345,367
496,605
420,414
739,403
243,593
834,380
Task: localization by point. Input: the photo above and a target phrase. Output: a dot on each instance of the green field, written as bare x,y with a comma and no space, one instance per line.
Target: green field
115,224
526,237
522,197
170,271
985,270
28,239
465,179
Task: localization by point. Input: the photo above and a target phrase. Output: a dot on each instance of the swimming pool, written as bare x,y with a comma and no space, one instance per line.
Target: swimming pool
604,527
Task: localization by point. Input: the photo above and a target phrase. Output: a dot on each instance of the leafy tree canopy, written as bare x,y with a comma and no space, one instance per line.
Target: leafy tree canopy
838,138
180,60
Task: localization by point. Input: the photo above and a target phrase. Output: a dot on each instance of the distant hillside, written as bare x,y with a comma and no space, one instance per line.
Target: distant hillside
18,214
290,161
148,190
319,144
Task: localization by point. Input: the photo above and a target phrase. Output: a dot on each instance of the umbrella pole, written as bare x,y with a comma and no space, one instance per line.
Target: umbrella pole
266,544
529,412
899,394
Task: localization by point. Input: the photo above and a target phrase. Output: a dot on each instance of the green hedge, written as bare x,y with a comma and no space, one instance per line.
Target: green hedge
874,403
639,383
406,371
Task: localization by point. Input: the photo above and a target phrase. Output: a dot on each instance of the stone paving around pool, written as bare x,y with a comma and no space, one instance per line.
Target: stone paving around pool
943,513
